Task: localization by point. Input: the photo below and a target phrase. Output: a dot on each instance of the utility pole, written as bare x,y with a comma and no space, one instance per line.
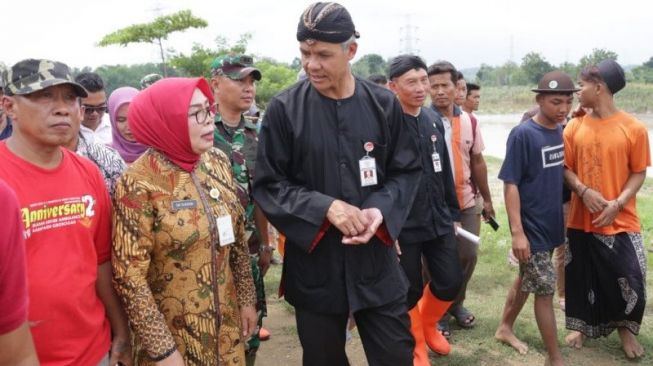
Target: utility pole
407,39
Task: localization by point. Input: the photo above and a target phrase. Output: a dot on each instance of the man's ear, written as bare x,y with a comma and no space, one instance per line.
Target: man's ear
9,106
351,50
215,84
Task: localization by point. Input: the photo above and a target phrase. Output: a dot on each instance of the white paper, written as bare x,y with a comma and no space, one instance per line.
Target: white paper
468,236
225,230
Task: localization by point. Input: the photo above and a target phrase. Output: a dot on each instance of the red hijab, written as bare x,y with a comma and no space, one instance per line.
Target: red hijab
158,117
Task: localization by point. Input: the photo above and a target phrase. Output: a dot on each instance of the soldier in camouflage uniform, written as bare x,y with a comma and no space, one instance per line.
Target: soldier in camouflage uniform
233,83
150,79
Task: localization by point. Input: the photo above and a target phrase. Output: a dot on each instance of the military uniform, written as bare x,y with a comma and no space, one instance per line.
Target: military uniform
240,145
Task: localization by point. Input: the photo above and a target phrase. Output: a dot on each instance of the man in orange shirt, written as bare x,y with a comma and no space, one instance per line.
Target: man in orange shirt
606,156
465,148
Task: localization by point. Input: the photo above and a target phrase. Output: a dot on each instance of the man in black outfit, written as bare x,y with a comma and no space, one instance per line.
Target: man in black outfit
318,140
429,229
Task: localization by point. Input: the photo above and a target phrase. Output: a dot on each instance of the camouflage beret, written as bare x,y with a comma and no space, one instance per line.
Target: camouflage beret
235,67
31,75
150,79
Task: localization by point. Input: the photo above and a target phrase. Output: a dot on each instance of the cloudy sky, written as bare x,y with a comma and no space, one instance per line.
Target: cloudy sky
468,32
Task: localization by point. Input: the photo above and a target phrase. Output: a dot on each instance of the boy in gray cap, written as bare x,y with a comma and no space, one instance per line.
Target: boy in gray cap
606,156
534,164
66,214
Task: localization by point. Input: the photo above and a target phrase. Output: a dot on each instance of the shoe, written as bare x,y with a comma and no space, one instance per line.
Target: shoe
432,309
420,354
263,334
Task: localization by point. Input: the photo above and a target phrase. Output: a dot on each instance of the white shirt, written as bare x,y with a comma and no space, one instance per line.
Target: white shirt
101,135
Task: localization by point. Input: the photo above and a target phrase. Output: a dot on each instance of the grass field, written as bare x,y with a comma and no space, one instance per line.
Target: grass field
485,297
635,98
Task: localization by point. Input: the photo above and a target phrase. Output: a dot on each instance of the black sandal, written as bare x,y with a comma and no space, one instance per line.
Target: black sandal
443,327
464,317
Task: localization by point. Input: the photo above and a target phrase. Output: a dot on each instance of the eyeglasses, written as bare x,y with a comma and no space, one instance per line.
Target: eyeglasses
89,109
202,115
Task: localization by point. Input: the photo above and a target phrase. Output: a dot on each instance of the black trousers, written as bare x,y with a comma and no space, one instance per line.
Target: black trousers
384,331
443,263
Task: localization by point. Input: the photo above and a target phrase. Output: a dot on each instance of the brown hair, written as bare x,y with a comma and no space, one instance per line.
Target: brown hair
442,67
591,73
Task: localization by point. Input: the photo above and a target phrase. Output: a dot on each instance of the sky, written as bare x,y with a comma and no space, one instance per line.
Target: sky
467,33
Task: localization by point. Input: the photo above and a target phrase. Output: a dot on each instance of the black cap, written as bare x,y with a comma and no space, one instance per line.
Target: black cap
327,22
612,74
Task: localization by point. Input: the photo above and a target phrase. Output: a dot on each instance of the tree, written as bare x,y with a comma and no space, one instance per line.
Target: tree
276,77
296,64
370,64
597,55
116,76
649,63
198,62
154,32
535,66
484,74
569,68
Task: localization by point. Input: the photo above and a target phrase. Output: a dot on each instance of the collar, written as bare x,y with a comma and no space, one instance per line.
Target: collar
243,122
457,111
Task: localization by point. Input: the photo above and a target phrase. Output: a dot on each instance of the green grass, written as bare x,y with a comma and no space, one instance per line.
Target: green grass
635,98
487,292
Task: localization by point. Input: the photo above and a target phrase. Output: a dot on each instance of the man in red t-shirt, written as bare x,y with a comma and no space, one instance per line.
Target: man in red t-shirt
14,332
66,215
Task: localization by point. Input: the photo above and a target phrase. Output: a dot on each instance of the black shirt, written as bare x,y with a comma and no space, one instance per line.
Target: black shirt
308,156
435,206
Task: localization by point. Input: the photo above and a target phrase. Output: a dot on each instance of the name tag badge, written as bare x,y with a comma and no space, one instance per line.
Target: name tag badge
437,164
367,167
184,204
225,230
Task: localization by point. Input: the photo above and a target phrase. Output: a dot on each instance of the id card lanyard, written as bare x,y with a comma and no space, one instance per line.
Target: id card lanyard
367,167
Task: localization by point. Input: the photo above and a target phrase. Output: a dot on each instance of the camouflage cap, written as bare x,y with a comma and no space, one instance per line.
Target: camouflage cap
235,67
31,75
150,79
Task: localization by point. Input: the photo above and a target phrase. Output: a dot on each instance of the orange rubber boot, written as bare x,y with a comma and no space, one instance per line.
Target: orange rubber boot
432,309
420,355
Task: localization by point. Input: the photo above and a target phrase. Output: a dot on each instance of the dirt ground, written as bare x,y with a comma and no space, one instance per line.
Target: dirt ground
283,348
469,347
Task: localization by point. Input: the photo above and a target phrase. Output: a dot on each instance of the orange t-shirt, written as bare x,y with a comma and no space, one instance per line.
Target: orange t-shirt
603,153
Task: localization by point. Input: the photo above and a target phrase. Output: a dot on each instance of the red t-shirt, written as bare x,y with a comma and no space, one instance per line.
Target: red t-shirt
66,214
13,280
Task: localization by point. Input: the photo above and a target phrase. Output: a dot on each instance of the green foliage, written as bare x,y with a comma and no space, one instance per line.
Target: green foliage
116,76
643,74
535,66
155,31
507,74
370,64
634,98
649,63
276,77
198,62
570,69
597,55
